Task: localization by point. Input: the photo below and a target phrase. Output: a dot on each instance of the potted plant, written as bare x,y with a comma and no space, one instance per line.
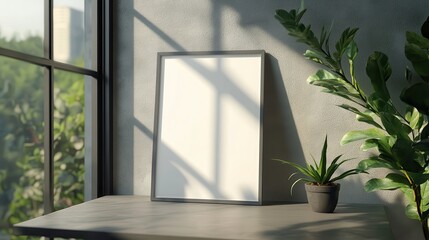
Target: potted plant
320,186
400,138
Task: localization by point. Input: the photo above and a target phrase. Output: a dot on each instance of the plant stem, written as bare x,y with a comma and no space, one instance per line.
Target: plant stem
425,229
418,200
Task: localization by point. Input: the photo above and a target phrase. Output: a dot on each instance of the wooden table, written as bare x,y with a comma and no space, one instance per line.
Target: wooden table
136,217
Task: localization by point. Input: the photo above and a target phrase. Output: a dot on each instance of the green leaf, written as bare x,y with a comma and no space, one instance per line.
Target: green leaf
356,135
368,119
411,212
417,95
284,16
419,178
291,21
333,168
314,56
303,170
323,74
422,145
384,144
324,38
322,164
424,132
411,209
297,166
391,182
415,53
378,70
414,117
346,38
417,39
409,195
387,157
345,174
404,155
315,174
333,83
374,162
419,59
424,188
360,116
368,144
380,105
394,126
352,51
297,181
343,95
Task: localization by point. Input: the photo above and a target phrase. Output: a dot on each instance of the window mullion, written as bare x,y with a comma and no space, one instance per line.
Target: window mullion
105,46
48,185
48,25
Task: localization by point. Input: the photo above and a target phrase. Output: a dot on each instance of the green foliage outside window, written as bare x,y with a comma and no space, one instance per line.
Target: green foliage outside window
22,137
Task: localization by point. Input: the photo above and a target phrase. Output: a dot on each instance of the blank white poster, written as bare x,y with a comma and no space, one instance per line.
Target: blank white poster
208,127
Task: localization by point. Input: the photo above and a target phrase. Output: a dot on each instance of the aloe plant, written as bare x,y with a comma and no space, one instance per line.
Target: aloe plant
402,139
320,173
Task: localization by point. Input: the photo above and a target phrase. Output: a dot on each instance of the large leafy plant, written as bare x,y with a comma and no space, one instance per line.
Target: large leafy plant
320,173
401,139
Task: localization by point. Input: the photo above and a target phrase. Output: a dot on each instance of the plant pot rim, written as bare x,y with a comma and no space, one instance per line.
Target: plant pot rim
322,185
323,188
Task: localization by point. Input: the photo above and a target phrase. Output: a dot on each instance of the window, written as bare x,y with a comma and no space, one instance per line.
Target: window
55,106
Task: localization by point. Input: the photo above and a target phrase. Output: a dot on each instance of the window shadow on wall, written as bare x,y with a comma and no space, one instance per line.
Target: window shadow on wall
381,29
277,120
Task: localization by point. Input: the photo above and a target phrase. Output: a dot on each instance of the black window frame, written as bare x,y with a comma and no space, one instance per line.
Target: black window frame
103,74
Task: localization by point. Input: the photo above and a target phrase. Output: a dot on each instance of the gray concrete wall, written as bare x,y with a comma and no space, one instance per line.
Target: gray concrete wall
298,115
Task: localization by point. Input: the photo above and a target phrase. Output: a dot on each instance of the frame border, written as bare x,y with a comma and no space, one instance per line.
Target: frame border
160,56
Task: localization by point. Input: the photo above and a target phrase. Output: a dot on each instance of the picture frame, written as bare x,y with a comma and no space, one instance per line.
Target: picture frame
208,128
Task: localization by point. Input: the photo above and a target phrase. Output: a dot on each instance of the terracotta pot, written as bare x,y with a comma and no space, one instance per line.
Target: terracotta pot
322,199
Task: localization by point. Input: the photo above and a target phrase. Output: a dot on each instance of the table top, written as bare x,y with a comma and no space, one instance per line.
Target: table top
136,217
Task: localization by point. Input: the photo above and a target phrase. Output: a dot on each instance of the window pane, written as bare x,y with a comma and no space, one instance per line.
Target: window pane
21,143
69,134
22,24
75,32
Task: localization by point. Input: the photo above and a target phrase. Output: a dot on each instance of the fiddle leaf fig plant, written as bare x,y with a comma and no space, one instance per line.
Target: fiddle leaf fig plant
401,139
320,173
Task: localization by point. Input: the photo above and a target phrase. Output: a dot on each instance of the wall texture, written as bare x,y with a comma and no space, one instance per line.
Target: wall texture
297,115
